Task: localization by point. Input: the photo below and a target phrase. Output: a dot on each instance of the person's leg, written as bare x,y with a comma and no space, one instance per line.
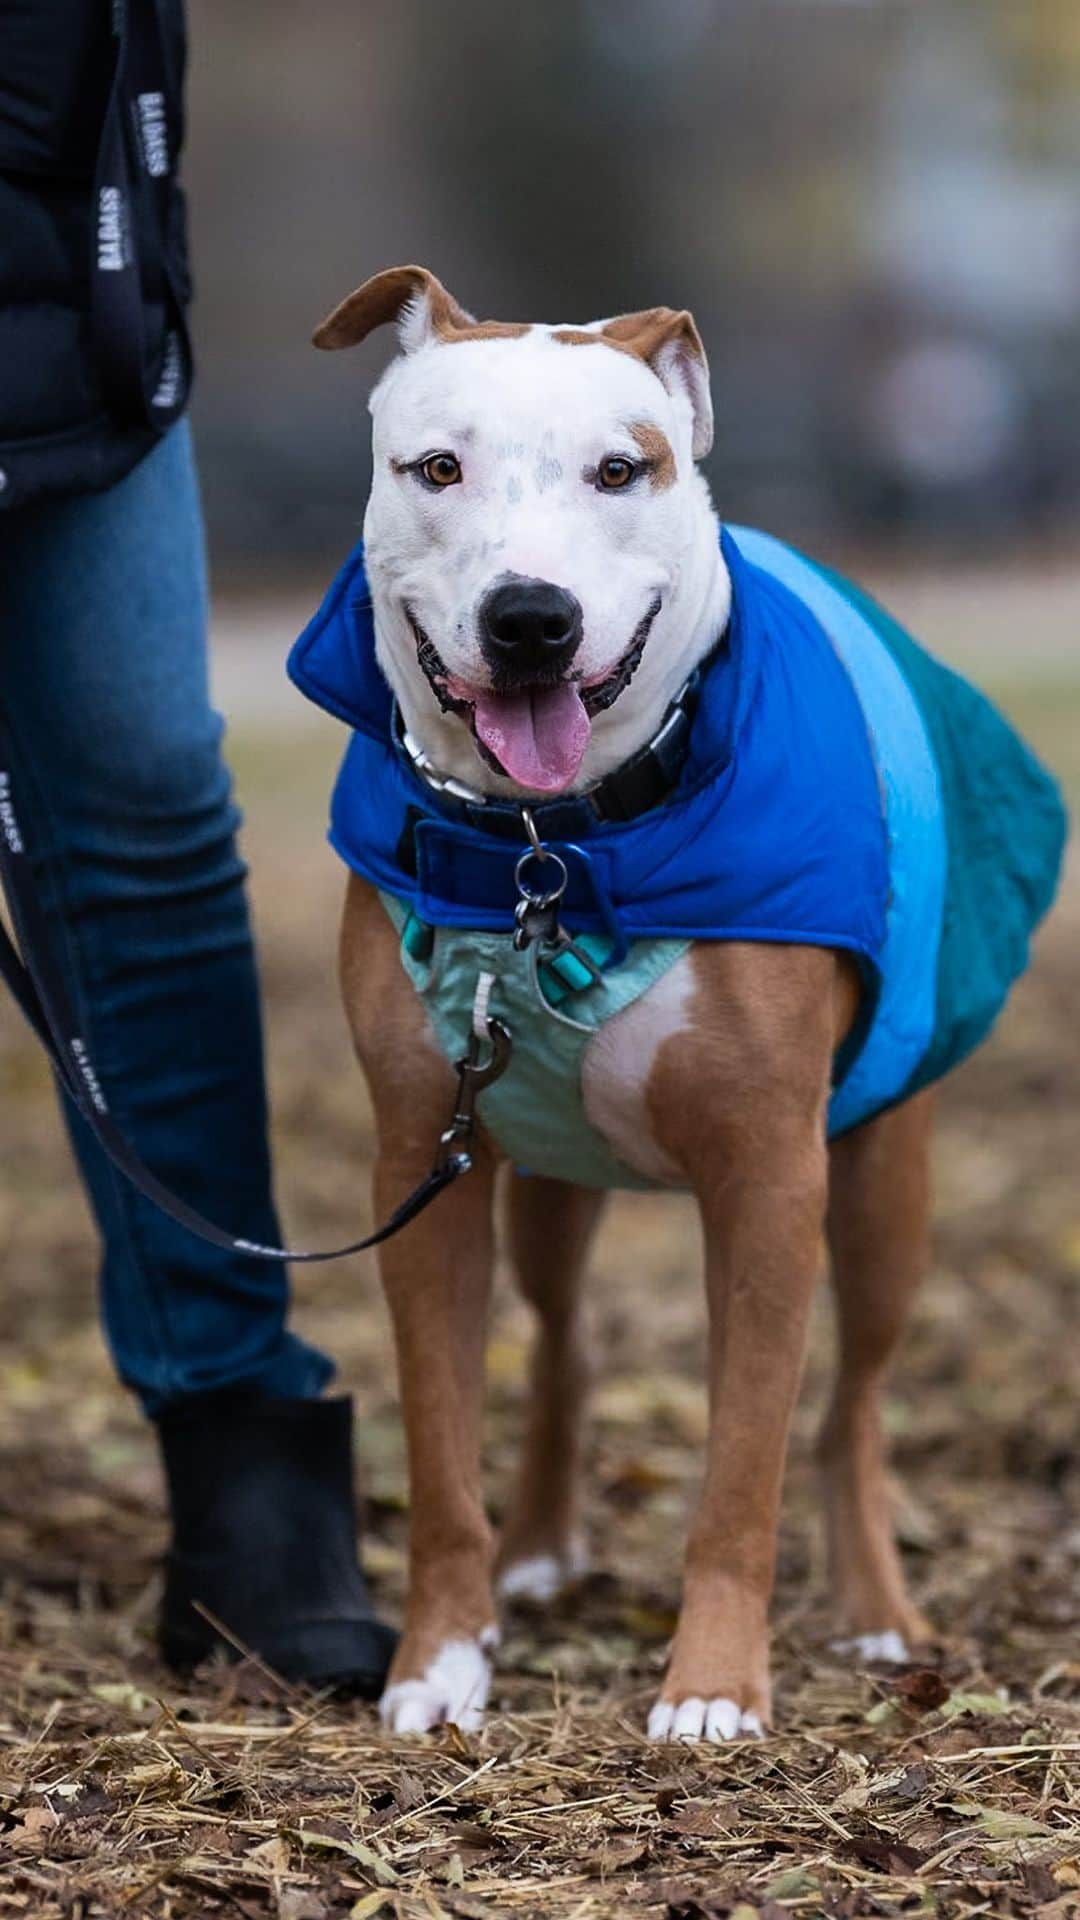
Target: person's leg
126,803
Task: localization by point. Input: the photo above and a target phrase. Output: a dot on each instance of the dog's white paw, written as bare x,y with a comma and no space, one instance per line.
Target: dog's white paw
454,1687
697,1719
888,1646
542,1576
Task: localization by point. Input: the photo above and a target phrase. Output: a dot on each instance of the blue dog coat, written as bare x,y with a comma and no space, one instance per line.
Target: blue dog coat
841,788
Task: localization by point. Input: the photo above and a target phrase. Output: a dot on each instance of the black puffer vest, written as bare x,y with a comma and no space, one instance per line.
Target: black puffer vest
94,355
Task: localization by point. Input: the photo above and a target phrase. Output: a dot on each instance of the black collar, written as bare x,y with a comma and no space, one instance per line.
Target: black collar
640,783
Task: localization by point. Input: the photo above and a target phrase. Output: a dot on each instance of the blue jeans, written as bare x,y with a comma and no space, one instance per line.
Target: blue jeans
127,805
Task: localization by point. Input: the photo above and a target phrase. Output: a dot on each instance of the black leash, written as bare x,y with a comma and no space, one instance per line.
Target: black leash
146,383
38,986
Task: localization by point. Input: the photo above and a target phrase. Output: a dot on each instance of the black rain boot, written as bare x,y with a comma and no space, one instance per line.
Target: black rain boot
264,1536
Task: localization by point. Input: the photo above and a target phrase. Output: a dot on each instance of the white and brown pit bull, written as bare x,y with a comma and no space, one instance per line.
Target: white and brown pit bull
545,577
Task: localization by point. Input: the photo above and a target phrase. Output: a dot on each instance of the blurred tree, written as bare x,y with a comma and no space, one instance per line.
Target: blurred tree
826,183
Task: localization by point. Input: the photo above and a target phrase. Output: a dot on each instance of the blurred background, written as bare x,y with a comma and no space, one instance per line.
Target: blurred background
872,207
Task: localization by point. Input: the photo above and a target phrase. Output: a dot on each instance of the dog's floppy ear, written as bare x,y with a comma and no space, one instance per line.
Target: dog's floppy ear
412,296
669,342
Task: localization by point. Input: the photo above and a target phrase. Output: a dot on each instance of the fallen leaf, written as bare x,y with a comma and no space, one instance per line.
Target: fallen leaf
507,1362
321,1839
702,1820
370,1905
121,1693
615,1857
922,1690
272,1855
409,1791
465,1904
881,1711
1039,1882
890,1856
791,1884
32,1828
634,1480
382,1559
1001,1823
987,1704
853,1799
912,1783
293,1903
475,1838
649,1623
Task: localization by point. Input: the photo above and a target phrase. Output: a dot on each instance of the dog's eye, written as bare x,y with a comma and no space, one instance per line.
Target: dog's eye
615,472
441,470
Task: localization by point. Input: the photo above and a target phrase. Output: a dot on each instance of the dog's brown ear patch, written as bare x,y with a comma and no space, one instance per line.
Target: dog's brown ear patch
668,341
646,332
419,303
383,298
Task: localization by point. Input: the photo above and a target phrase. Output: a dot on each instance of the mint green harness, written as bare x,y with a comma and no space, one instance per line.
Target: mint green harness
536,1111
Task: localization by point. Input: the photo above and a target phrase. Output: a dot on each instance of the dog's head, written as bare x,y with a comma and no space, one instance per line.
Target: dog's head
540,548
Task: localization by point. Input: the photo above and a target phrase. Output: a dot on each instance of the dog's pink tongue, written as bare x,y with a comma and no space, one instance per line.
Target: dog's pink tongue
538,736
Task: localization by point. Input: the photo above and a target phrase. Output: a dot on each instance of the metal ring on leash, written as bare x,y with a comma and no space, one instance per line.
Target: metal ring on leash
549,896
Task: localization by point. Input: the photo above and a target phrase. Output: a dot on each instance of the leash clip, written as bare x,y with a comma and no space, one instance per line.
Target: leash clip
536,916
475,1071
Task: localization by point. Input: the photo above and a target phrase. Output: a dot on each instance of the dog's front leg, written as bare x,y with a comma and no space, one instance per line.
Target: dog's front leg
437,1277
751,1130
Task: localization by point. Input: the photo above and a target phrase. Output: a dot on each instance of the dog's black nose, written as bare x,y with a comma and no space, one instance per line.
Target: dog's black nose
529,627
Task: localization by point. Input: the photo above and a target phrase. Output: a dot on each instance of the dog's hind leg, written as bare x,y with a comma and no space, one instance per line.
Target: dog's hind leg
551,1229
878,1218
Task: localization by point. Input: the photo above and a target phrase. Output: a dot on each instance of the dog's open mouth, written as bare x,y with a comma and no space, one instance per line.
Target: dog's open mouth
535,734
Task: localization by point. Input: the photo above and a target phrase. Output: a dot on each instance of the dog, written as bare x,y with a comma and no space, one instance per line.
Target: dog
543,605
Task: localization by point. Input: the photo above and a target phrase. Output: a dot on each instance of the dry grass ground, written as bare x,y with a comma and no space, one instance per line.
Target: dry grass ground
952,1789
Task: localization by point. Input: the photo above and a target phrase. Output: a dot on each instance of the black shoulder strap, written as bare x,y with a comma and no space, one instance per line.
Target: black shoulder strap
38,986
145,385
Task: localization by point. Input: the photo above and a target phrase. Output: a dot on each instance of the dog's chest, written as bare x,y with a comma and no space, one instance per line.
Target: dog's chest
573,1102
617,1068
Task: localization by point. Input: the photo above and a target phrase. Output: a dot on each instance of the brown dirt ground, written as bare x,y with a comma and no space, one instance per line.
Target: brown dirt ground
952,1790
